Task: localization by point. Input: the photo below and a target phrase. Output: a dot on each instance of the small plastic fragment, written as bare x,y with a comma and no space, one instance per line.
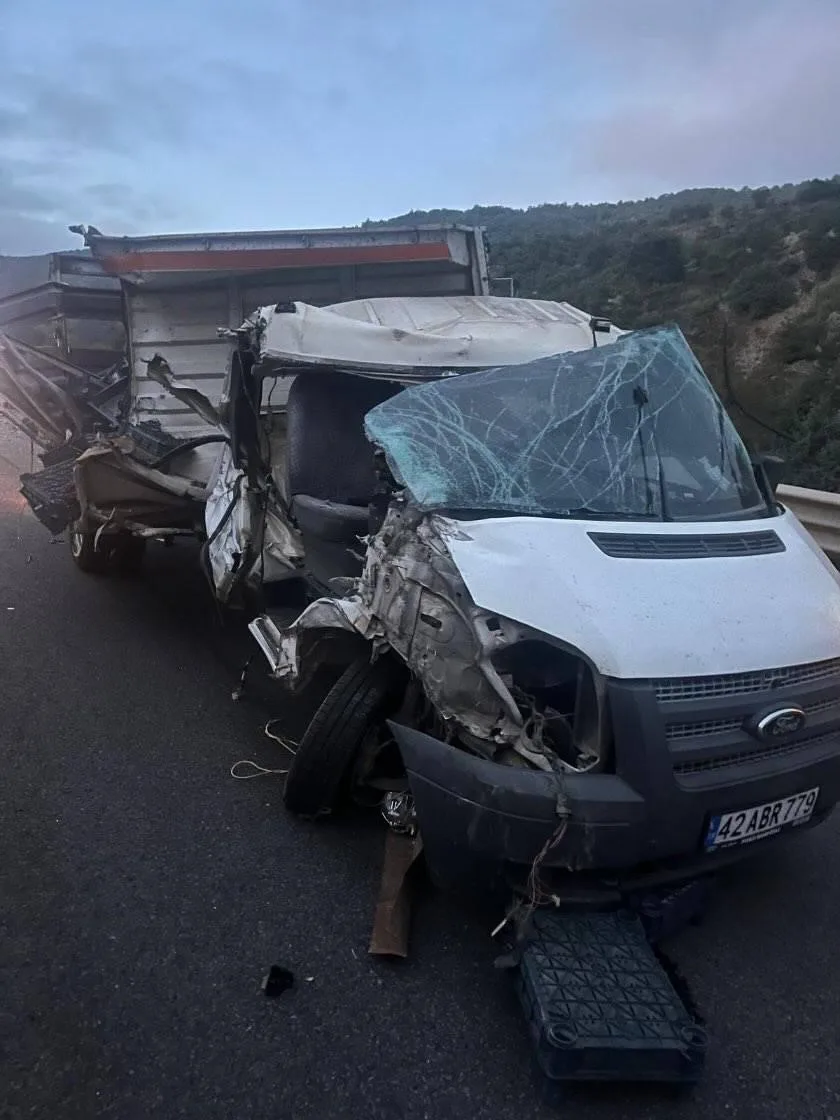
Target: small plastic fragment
277,980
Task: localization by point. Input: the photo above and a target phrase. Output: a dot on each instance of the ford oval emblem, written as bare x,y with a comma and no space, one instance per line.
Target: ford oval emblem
778,723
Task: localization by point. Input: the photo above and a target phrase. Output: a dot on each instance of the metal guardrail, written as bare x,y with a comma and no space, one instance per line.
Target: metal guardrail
819,512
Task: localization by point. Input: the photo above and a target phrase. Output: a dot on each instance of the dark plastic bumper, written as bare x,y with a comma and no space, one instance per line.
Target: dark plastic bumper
484,821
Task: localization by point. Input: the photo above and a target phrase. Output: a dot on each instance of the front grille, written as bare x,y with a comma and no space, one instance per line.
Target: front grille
763,754
686,546
704,727
734,684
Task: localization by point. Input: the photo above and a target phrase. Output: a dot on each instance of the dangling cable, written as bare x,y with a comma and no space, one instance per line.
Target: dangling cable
258,771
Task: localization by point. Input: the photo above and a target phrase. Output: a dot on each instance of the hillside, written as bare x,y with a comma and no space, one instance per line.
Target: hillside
752,277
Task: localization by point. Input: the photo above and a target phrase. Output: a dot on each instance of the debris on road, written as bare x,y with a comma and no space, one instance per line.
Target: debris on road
239,691
392,918
277,980
256,770
601,1006
665,913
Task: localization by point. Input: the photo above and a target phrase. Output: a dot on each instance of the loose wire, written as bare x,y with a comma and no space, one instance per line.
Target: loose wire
256,770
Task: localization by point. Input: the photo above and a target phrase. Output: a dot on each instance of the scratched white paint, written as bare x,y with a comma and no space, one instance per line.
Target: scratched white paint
655,618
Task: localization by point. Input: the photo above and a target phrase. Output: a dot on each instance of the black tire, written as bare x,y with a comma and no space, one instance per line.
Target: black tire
320,771
85,555
128,553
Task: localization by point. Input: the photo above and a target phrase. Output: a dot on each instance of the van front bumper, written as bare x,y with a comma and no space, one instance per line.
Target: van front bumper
485,822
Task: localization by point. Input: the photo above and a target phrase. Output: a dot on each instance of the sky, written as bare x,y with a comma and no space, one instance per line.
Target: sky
184,115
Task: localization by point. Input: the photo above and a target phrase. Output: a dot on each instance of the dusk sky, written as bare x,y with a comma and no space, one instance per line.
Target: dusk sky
201,115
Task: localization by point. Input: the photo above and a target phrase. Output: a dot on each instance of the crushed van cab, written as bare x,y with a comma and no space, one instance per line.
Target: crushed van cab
574,621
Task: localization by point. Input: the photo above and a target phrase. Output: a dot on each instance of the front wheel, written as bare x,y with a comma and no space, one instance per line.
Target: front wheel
86,556
361,698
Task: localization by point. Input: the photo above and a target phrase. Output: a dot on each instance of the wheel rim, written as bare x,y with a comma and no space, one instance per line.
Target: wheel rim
77,543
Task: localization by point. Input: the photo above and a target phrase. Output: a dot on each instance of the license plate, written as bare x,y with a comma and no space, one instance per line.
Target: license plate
746,825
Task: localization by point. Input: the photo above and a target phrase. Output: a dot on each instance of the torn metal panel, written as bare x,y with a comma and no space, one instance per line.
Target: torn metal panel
324,617
246,537
121,451
55,402
182,325
62,340
114,487
44,396
415,596
159,371
27,405
411,598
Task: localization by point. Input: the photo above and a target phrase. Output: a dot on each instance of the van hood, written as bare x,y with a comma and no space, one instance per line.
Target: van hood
696,615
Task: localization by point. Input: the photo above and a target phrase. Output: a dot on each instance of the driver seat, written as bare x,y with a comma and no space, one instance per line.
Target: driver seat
330,467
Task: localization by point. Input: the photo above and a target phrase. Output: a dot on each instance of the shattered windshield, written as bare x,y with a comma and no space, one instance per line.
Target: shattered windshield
629,430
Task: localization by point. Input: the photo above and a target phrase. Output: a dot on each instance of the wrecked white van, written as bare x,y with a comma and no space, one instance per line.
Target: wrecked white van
571,618
566,617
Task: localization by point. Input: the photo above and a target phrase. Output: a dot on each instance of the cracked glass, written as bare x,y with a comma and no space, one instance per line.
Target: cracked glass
631,430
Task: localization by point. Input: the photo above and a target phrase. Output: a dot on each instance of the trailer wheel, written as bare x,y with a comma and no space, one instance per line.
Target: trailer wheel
84,552
362,696
128,553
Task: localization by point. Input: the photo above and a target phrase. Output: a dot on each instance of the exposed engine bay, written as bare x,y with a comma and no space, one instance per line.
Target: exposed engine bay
495,688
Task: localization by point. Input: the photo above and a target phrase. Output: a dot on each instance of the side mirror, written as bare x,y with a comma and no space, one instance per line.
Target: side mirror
772,467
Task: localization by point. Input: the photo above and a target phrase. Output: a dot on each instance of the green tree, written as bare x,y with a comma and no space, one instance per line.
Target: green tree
813,453
761,198
761,290
819,190
657,260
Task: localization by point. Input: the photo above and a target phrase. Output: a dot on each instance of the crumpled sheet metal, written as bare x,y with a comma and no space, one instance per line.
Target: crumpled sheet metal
413,590
231,527
418,337
160,371
411,598
324,615
111,485
115,455
40,406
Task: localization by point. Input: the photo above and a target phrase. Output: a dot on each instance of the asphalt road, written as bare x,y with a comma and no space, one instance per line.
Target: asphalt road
144,894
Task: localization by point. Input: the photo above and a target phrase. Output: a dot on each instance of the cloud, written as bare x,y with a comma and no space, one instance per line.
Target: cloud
735,93
21,236
101,101
35,207
668,95
61,128
177,114
18,195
